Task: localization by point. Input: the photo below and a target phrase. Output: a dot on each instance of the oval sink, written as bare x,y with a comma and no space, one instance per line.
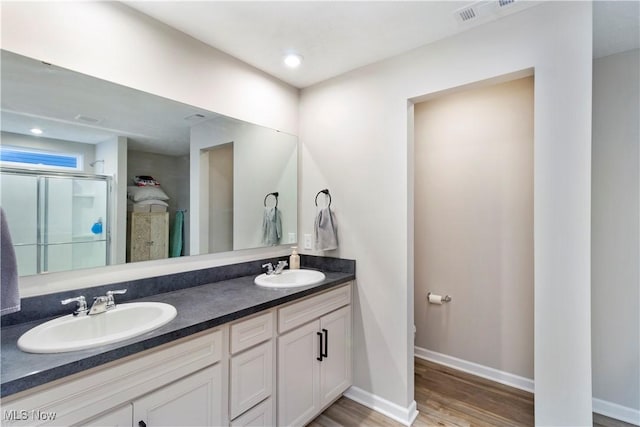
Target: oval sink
70,333
290,279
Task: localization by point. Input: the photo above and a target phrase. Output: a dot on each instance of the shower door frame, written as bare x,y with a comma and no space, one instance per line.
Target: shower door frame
41,176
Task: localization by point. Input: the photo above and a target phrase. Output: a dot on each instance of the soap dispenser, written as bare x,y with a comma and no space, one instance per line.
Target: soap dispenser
294,259
96,228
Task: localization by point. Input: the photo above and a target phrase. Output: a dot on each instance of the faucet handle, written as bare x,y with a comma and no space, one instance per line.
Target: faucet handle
116,292
269,267
111,303
280,267
80,308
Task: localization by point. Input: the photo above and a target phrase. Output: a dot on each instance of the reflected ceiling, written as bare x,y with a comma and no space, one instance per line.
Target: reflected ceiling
74,107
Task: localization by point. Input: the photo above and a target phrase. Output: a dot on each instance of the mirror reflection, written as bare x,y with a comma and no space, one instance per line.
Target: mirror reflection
95,173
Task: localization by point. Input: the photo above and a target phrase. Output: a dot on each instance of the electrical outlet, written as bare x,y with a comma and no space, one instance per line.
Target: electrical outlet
308,241
292,238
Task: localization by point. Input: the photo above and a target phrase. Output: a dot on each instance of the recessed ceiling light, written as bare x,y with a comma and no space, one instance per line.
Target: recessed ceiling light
292,60
36,131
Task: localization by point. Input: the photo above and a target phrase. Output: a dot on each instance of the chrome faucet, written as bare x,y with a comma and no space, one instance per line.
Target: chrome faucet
281,265
277,270
99,305
269,268
105,303
80,308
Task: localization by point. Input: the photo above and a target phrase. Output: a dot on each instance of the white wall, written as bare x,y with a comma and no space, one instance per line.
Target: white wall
114,155
221,198
474,225
264,161
353,131
272,159
615,245
111,41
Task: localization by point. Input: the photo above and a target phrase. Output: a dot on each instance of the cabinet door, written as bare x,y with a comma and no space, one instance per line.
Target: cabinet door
251,378
140,237
159,236
191,401
149,236
298,375
121,417
335,368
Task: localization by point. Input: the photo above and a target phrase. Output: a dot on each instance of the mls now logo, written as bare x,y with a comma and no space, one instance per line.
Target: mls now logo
23,415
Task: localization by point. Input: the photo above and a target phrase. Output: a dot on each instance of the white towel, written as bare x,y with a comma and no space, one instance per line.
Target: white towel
326,230
9,292
271,227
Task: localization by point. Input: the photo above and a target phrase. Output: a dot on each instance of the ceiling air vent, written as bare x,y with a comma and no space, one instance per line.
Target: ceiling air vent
87,119
504,3
466,14
196,116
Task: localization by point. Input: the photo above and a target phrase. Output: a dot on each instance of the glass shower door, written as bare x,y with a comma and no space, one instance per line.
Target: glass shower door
19,199
73,223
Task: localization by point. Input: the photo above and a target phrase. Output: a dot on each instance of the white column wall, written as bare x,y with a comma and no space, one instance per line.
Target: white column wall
615,226
353,131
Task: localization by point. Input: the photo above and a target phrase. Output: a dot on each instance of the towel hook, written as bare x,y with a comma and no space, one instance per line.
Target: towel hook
326,192
274,194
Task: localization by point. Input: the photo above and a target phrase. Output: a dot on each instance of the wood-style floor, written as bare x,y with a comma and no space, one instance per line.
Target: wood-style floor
448,397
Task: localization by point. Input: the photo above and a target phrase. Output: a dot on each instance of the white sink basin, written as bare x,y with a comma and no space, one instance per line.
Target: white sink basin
70,333
290,279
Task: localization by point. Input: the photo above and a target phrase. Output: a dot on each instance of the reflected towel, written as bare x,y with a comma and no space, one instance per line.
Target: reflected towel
9,292
326,230
176,235
271,227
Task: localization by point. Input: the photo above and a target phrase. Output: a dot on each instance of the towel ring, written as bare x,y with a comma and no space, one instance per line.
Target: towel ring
275,194
326,192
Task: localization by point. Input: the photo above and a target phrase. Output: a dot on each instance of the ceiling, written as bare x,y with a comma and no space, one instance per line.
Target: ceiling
334,37
337,36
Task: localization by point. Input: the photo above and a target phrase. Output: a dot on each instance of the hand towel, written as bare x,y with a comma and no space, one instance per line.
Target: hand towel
271,227
9,292
176,235
326,230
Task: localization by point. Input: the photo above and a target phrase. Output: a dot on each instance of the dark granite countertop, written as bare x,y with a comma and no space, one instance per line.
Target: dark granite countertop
199,308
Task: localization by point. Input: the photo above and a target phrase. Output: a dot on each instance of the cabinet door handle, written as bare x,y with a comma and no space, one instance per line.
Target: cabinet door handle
319,358
142,423
325,353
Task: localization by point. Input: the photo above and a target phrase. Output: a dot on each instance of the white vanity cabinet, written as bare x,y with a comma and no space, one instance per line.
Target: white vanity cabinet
314,355
281,366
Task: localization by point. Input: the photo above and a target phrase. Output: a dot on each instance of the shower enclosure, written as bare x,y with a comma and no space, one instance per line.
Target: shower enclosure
57,221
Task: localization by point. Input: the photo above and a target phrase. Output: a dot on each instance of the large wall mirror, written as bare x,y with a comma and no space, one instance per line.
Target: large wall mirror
95,174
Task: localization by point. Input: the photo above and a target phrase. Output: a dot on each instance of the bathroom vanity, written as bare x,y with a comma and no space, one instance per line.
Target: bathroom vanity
236,354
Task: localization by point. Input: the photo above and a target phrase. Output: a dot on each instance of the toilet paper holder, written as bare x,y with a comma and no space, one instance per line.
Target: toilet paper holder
445,298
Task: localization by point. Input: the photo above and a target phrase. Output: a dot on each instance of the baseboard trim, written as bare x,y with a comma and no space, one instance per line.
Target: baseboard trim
602,407
492,374
619,412
396,412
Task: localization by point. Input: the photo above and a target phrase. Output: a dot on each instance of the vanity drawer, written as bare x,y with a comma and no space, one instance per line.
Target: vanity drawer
250,332
304,311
